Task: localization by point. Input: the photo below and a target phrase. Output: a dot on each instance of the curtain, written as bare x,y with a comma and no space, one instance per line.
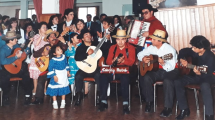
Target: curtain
64,4
38,8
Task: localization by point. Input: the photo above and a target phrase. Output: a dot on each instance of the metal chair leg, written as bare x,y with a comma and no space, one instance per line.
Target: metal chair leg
95,93
140,93
73,91
204,111
17,89
176,108
116,94
129,97
196,97
155,97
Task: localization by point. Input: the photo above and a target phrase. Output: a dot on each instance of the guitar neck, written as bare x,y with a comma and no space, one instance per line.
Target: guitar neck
190,66
100,44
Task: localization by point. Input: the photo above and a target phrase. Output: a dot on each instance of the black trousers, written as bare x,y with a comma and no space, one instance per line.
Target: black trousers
27,83
205,87
40,86
105,79
147,81
80,75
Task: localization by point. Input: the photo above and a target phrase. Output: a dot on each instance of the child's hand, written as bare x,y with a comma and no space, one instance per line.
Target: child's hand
68,74
55,79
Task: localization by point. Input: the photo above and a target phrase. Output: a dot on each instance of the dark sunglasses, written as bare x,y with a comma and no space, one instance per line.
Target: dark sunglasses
145,13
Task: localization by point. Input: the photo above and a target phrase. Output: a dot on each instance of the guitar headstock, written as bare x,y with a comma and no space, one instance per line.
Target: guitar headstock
111,28
203,69
167,56
65,31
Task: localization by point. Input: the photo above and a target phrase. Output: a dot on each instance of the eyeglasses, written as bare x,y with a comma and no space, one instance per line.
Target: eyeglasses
145,13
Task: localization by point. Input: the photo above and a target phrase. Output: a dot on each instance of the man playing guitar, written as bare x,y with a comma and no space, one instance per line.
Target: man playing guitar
127,59
166,73
201,51
11,43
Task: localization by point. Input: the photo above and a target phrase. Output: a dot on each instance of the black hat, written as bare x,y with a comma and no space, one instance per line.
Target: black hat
149,7
82,33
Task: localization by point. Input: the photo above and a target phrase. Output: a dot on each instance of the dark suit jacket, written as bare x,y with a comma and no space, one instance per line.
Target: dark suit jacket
93,30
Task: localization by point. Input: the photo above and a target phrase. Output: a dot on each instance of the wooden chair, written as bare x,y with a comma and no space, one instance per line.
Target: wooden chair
88,79
16,79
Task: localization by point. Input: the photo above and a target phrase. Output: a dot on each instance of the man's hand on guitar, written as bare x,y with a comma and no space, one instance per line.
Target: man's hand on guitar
18,54
62,39
90,51
146,59
55,78
99,34
145,34
196,71
121,60
161,61
183,62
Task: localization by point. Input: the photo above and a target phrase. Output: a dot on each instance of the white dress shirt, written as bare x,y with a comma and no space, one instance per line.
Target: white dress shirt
54,27
169,65
102,29
120,27
68,23
22,39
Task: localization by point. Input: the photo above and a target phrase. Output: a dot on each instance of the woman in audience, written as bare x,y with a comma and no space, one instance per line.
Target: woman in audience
79,25
13,26
117,22
53,23
38,43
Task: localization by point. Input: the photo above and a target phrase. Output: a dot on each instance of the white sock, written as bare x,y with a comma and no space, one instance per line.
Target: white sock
27,95
63,102
54,102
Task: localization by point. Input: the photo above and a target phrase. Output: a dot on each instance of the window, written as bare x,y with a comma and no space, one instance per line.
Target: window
30,13
83,11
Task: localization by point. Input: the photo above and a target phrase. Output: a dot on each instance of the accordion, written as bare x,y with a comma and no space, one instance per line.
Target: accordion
135,30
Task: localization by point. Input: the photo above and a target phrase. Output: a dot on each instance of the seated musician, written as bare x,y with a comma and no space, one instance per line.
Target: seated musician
80,55
201,49
127,59
11,43
51,37
166,73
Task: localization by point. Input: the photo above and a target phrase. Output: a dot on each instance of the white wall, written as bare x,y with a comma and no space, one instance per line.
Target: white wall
88,1
114,7
203,2
11,11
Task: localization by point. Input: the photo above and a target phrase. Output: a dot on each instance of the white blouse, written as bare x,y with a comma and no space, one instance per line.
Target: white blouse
22,39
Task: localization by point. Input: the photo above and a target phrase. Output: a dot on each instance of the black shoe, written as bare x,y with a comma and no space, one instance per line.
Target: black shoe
148,107
37,101
102,107
97,98
27,100
166,112
6,101
209,117
78,98
126,109
183,113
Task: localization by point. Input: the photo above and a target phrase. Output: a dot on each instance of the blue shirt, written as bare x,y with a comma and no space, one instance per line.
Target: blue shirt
6,51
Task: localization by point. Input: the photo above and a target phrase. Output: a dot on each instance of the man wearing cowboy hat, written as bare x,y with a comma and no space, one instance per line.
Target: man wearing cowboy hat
148,15
11,43
166,73
51,37
127,59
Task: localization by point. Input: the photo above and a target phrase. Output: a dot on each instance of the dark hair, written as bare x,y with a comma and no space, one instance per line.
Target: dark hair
53,49
89,15
103,15
72,35
149,7
50,20
5,17
40,25
108,20
63,18
96,17
26,25
79,20
130,17
28,19
119,19
12,20
67,11
0,17
200,41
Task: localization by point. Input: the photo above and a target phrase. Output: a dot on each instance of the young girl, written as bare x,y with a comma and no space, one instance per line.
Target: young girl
70,53
37,44
59,73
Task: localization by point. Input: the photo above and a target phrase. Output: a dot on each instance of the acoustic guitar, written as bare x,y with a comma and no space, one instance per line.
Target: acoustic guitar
16,66
153,63
42,63
89,65
185,70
